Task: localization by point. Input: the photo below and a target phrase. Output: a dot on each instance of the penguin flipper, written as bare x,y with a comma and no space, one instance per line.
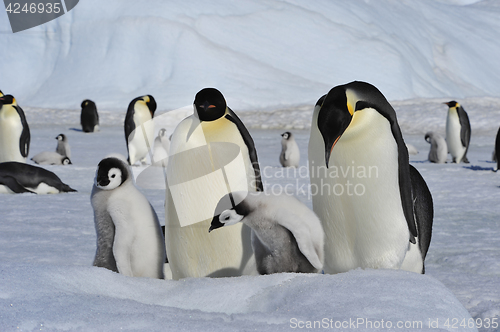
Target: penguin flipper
231,116
129,122
24,141
13,184
423,208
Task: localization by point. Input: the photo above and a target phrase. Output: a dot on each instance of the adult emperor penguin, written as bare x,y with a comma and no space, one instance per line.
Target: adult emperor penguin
139,133
457,132
129,236
199,144
375,208
496,152
89,118
290,153
14,131
287,236
16,178
63,146
439,150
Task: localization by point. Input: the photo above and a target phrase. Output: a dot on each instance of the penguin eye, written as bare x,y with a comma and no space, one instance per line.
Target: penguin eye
226,218
113,176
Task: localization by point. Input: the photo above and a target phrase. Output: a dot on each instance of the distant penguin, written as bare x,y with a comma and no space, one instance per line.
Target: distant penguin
496,153
89,118
439,149
16,178
138,135
287,236
412,149
14,131
161,146
290,153
380,214
458,132
50,158
63,146
129,236
193,149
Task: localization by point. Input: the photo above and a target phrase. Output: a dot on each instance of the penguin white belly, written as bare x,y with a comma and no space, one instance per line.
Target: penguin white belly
453,140
143,135
10,133
361,213
5,190
43,189
192,251
137,247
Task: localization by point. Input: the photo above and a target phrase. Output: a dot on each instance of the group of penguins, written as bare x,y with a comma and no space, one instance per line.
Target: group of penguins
250,231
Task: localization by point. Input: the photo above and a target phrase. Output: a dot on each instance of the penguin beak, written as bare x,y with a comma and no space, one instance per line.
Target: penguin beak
215,224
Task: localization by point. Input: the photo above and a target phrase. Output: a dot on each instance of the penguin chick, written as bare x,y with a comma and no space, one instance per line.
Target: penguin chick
439,149
286,235
290,153
129,237
63,146
161,146
51,158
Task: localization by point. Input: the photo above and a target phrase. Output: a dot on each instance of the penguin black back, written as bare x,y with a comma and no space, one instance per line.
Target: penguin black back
89,118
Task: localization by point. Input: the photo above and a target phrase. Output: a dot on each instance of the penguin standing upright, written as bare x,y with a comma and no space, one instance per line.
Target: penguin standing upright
375,208
161,145
210,149
14,131
63,146
290,153
129,236
496,153
439,149
89,118
139,134
458,132
286,235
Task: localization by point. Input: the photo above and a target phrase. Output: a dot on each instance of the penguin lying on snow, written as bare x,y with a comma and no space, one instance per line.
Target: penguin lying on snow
458,132
286,237
290,153
379,216
14,131
19,178
129,237
89,118
50,158
439,150
138,135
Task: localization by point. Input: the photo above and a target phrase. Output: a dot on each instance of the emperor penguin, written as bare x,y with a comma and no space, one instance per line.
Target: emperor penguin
89,118
161,145
129,236
286,235
458,132
211,149
18,178
14,131
439,149
290,153
375,208
139,133
63,146
51,158
496,152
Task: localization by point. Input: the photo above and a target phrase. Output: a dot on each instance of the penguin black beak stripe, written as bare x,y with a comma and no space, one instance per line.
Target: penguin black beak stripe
329,151
215,223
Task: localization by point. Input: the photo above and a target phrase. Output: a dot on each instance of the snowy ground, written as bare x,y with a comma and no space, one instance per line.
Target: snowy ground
47,245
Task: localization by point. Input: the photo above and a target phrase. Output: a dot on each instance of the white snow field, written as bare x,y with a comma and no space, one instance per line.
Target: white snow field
272,59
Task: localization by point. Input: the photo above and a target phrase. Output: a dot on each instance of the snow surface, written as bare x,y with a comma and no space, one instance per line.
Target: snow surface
262,54
47,244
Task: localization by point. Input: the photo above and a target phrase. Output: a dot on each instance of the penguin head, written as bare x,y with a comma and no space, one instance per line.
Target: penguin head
150,103
1,93
8,100
84,103
336,111
66,161
61,137
162,132
111,173
428,136
209,104
452,104
230,210
286,135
